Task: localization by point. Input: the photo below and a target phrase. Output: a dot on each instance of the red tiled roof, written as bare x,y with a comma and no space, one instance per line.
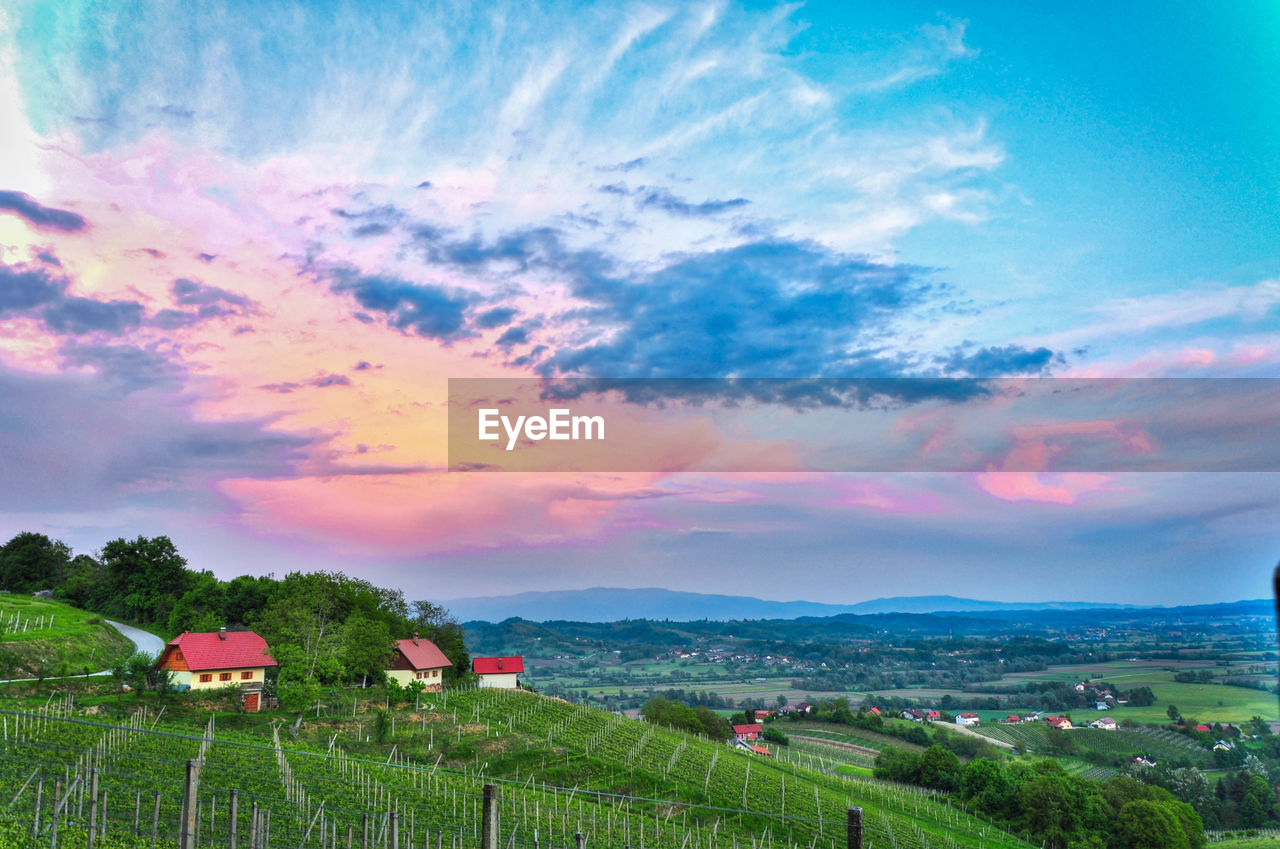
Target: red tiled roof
747,729
761,750
424,655
1203,728
226,650
497,665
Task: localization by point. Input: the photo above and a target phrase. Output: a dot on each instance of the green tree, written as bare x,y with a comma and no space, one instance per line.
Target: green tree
1173,713
144,578
1049,809
437,625
31,562
939,768
894,764
1145,824
366,644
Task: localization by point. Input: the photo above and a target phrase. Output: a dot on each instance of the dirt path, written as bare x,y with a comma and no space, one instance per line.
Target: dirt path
965,730
862,750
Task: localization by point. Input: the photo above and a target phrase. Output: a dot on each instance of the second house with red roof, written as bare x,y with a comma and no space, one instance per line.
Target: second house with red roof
418,660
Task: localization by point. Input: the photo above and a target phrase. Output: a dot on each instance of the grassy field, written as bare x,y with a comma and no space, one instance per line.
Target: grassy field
1208,703
1270,841
60,639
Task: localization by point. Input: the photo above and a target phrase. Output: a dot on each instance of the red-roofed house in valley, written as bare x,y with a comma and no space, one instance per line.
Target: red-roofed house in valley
968,719
212,660
418,660
748,732
1060,722
500,673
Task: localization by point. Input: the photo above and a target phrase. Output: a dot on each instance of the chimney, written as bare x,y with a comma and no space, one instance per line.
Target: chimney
222,633
499,663
415,638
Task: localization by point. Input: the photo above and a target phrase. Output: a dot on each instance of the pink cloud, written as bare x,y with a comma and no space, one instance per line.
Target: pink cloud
1064,488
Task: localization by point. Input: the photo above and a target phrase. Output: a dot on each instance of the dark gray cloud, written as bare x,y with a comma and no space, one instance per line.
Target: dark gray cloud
125,369
25,287
194,293
496,317
767,309
428,309
74,442
36,291
41,217
1007,361
206,302
630,165
321,381
86,315
518,250
513,336
656,197
377,221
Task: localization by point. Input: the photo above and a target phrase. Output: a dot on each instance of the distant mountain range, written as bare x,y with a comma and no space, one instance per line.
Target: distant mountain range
611,604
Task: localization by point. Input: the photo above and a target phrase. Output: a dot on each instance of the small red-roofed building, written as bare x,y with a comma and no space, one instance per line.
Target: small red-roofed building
212,660
748,732
1060,722
499,673
761,750
418,660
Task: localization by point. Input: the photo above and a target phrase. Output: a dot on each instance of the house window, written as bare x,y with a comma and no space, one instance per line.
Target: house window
205,677
435,673
418,675
246,676
224,676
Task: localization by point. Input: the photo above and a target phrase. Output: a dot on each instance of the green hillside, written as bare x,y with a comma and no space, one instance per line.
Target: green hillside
41,636
559,768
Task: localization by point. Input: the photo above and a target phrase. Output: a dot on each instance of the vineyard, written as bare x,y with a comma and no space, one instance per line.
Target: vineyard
1160,743
560,770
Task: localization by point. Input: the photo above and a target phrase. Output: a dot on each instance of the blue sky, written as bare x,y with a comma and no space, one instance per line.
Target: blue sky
296,223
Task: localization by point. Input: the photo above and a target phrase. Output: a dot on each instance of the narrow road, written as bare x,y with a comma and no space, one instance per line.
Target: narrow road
142,641
839,744
966,730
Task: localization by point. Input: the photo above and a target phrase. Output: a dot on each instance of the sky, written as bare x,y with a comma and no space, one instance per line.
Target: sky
243,250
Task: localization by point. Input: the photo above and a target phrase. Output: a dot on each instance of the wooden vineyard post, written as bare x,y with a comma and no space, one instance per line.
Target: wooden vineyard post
364,827
155,821
855,828
395,831
190,808
489,818
57,806
233,812
579,840
93,806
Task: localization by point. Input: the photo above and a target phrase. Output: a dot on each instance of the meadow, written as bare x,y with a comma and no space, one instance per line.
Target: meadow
42,635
